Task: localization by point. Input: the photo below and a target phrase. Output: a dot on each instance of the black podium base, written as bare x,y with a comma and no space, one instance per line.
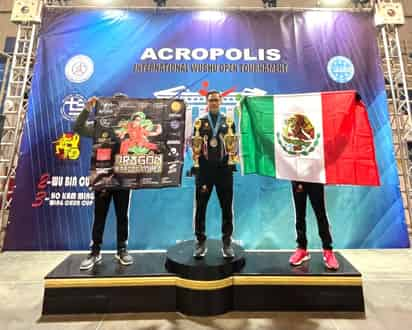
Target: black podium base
213,266
266,283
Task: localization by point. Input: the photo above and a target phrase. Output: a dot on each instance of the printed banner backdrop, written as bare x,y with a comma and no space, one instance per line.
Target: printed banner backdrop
135,141
172,53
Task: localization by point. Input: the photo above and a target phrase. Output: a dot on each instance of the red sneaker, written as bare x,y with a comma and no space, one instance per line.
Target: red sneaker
298,257
330,260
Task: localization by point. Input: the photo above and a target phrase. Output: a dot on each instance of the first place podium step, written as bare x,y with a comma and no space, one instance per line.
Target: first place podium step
176,282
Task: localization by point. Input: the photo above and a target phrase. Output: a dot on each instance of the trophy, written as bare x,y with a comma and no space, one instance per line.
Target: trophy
197,143
231,142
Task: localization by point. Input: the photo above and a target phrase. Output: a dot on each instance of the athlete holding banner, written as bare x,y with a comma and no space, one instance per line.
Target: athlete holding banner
102,203
316,193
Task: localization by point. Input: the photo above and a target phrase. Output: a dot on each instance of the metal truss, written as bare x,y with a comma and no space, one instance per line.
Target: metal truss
15,108
397,67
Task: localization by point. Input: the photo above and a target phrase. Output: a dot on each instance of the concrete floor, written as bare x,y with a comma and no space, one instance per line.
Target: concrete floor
387,276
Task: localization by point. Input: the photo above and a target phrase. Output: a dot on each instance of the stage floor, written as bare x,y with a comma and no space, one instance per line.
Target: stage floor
387,286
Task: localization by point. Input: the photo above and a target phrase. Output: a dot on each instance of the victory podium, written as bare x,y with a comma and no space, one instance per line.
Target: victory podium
174,281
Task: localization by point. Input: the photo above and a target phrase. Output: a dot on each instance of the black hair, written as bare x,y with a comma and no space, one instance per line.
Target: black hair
120,95
213,91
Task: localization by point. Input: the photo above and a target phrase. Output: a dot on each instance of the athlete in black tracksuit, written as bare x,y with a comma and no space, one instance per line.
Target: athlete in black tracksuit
214,172
102,204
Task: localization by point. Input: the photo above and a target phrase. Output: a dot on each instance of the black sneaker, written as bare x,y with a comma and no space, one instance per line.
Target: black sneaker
92,259
200,250
124,257
228,251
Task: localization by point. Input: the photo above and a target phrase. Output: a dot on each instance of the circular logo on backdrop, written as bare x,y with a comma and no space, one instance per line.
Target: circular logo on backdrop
176,106
174,124
79,69
298,135
341,69
71,106
105,122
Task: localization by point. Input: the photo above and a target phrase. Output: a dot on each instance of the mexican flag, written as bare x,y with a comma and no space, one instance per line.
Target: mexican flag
316,137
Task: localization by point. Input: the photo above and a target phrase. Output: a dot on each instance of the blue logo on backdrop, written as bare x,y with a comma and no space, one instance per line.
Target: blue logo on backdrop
71,106
341,69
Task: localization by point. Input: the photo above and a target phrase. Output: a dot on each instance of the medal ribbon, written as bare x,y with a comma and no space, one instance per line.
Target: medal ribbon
215,129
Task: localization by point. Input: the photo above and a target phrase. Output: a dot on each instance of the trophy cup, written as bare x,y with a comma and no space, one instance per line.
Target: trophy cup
231,142
197,143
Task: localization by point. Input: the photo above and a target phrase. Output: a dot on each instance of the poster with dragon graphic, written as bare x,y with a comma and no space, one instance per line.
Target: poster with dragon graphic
138,143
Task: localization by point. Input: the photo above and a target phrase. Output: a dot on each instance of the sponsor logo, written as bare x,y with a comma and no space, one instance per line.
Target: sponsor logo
148,181
67,146
341,69
137,164
176,135
173,142
105,122
107,109
174,124
103,154
173,152
172,169
166,180
79,69
71,106
176,106
104,138
175,115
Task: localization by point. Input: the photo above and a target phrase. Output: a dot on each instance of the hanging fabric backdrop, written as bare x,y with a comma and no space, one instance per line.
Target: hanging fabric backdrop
182,54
